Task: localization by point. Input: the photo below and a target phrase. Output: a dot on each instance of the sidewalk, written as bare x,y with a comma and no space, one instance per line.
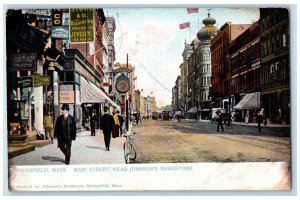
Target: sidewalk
86,149
245,124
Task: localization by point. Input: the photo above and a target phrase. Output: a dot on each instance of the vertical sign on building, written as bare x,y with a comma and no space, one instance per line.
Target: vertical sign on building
81,25
57,17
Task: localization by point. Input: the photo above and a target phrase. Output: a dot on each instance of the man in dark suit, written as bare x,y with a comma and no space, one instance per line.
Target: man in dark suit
259,120
65,132
93,121
106,125
220,121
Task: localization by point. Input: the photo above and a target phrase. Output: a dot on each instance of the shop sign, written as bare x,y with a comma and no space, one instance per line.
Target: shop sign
61,32
66,97
122,104
22,62
40,80
24,82
85,73
122,69
42,12
69,65
82,25
57,17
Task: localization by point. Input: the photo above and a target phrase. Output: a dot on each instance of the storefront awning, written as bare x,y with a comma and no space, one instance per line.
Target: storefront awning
192,110
92,94
249,101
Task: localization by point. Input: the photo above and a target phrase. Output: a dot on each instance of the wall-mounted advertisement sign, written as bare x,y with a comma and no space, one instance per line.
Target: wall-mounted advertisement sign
81,25
61,32
22,62
66,96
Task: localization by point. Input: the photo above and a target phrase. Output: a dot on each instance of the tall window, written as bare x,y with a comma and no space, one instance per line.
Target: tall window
284,40
206,55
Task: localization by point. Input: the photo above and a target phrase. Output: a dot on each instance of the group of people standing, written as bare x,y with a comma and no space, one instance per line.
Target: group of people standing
65,128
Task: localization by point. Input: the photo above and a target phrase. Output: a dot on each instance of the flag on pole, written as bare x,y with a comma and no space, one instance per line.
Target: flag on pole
192,10
184,25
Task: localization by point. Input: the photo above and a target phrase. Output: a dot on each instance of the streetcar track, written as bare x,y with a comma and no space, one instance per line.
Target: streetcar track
181,128
271,149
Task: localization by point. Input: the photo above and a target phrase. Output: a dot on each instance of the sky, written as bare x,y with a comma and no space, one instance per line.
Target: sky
154,43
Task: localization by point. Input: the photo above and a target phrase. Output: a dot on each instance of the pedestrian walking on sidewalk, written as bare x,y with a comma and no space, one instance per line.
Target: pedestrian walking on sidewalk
93,121
220,121
121,120
65,132
115,131
106,125
48,126
259,120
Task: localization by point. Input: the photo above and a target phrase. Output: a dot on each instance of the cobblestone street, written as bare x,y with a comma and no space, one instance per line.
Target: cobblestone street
173,142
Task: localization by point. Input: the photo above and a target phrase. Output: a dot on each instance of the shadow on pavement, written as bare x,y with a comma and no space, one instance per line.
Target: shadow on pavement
92,147
53,159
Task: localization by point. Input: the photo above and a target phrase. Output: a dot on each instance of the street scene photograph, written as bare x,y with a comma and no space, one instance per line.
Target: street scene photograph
134,86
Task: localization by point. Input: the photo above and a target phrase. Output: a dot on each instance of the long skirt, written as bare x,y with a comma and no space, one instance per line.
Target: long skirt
115,131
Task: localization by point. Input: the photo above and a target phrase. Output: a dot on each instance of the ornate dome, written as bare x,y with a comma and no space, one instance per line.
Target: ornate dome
208,30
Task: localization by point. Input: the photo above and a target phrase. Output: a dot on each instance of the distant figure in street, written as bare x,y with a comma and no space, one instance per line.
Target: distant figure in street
178,115
106,125
48,126
264,116
121,120
229,120
220,121
259,120
93,121
65,132
137,118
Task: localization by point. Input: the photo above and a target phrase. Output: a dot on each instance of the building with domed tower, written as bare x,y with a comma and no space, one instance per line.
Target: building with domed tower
204,36
196,87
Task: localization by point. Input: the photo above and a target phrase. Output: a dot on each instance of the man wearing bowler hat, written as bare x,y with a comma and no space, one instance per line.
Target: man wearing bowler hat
65,132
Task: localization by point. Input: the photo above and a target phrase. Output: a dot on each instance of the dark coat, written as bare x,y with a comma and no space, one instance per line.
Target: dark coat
121,120
58,130
107,123
93,121
220,118
259,119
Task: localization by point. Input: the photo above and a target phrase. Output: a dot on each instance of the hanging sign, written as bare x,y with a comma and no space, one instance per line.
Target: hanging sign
40,80
122,84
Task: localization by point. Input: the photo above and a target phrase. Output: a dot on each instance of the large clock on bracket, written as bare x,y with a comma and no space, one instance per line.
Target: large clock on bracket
122,84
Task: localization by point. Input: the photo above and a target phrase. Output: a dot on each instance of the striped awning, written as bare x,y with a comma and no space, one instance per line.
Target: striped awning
192,110
90,93
249,101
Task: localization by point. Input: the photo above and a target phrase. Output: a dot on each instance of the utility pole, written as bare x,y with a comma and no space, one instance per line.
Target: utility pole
127,115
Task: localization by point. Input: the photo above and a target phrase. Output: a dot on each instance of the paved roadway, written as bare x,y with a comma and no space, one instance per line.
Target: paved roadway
86,149
170,141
